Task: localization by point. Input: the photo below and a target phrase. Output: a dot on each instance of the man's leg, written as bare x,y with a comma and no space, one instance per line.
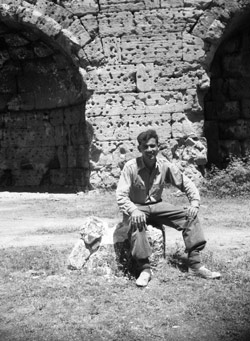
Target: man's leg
193,236
140,250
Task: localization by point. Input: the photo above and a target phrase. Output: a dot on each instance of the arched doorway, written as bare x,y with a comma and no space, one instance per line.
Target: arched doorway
227,104
43,140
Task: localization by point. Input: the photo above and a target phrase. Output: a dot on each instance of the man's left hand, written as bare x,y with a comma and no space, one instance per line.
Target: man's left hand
192,212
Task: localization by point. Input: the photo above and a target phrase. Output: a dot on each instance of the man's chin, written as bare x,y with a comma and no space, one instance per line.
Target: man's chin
151,158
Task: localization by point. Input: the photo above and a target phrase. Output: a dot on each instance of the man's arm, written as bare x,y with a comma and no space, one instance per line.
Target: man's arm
181,181
123,191
138,218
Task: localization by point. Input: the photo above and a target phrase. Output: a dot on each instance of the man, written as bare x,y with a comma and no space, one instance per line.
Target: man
139,198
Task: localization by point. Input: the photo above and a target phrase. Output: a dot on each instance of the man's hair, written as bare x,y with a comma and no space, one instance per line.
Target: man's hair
147,135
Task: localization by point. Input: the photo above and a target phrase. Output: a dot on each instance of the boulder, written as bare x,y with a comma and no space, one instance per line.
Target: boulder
104,250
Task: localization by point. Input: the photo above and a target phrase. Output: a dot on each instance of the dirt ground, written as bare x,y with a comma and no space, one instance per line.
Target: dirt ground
54,219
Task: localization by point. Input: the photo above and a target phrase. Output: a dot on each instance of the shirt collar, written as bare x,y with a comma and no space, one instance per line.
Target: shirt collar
141,164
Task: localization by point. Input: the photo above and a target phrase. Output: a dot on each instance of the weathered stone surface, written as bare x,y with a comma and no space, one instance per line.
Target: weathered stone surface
127,5
79,256
77,33
91,24
104,251
126,127
112,50
112,79
159,48
81,7
115,24
245,105
138,64
94,52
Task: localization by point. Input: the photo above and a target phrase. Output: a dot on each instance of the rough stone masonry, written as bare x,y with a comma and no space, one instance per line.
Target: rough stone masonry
81,78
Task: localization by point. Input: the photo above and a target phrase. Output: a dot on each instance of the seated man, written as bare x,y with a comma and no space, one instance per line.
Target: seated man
139,198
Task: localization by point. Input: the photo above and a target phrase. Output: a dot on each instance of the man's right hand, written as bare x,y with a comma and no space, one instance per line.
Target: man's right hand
138,220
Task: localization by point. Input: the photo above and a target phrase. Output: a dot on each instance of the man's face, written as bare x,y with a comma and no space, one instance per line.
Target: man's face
149,150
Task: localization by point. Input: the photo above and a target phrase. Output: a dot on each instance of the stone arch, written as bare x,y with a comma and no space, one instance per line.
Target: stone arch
44,136
224,29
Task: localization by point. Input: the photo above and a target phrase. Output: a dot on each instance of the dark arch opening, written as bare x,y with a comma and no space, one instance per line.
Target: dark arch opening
227,104
44,144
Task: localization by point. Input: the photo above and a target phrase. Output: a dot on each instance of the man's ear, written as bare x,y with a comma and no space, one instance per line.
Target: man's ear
139,148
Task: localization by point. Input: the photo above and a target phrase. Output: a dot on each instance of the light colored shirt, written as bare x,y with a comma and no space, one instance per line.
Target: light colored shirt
137,185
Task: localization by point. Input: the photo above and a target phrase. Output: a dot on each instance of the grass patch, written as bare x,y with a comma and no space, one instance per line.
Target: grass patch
40,299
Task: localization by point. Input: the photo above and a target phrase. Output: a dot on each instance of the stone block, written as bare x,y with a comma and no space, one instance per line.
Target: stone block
24,101
245,147
181,126
71,157
4,56
8,81
42,50
220,89
76,134
58,13
73,115
81,7
215,31
112,79
111,47
15,40
61,135
77,33
46,24
91,24
159,49
58,177
115,24
62,156
94,52
159,21
82,157
228,110
145,77
69,177
198,3
233,66
235,130
134,104
25,178
56,117
193,48
21,53
172,3
129,126
127,5
203,24
210,110
230,147
4,99
238,88
78,256
109,249
179,83
245,105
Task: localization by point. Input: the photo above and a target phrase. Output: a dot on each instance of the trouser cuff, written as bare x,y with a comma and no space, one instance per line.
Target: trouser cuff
194,259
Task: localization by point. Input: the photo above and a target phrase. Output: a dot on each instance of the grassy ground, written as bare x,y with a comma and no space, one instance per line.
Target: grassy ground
40,299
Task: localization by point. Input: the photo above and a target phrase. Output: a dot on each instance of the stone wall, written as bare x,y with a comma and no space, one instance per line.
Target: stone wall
88,76
227,104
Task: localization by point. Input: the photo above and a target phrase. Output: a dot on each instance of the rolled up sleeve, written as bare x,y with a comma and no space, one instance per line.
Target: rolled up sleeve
123,191
183,183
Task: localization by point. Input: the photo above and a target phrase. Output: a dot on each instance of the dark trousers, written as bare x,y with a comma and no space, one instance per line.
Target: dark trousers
176,217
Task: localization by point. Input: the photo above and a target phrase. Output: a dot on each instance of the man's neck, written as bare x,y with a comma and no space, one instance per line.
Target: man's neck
149,165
